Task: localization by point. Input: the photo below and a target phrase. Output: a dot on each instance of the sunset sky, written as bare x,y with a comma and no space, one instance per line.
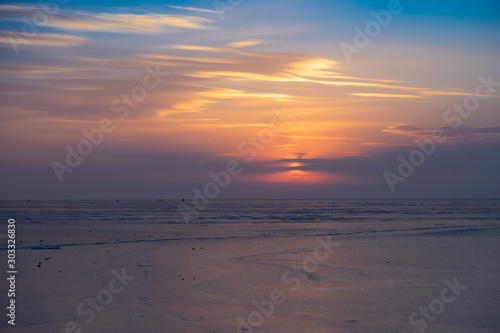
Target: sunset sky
231,68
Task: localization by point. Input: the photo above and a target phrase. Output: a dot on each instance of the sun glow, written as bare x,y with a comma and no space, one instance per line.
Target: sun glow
294,176
295,165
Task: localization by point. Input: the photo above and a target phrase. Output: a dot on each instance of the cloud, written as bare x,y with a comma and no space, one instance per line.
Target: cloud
462,134
195,105
41,39
110,22
293,68
378,162
405,129
179,59
380,95
126,23
195,9
17,8
472,134
233,93
33,69
245,43
207,49
204,99
288,67
454,93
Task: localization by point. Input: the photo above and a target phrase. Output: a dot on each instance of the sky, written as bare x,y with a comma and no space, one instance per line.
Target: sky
243,99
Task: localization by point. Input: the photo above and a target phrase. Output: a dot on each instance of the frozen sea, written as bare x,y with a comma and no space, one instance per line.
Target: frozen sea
255,266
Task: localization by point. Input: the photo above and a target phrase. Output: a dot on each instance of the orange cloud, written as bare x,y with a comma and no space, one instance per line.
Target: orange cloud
245,43
380,95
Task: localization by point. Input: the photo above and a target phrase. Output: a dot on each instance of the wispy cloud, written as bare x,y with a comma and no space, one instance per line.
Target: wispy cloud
461,134
195,9
33,70
406,129
292,67
207,49
453,93
246,43
107,22
380,95
189,59
127,23
16,8
234,93
205,98
41,39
